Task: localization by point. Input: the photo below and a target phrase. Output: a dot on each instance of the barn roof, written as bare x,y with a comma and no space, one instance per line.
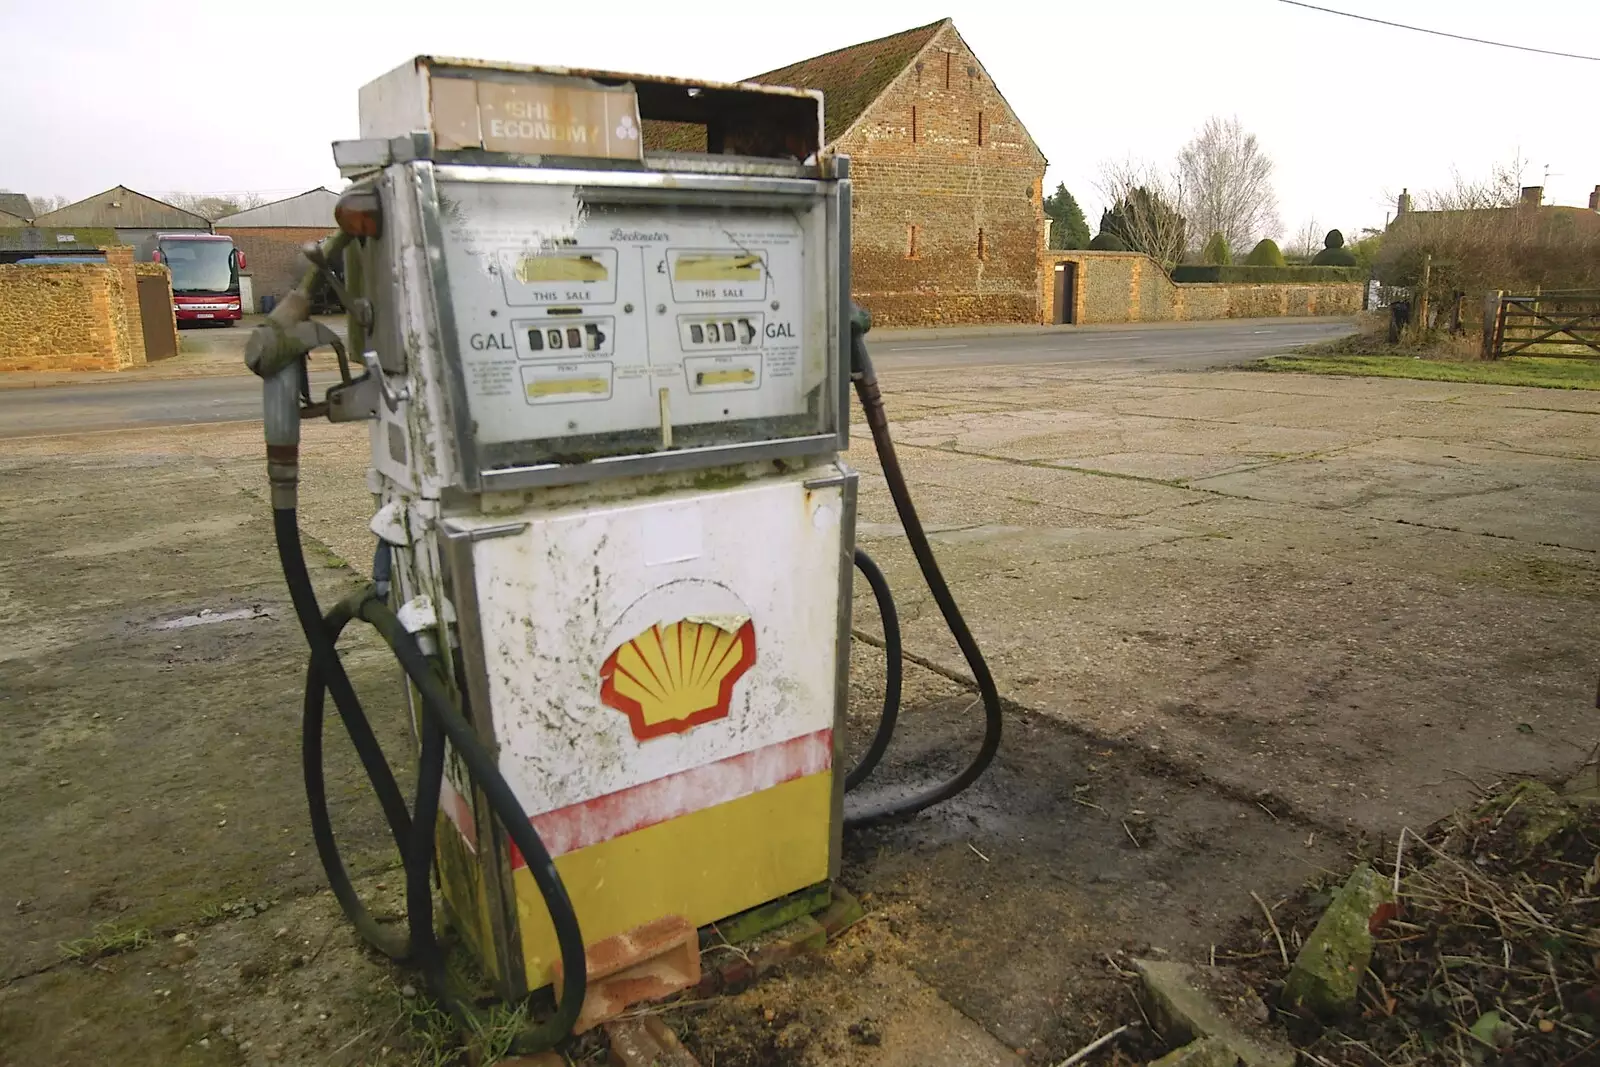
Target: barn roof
309,209
852,78
16,204
122,207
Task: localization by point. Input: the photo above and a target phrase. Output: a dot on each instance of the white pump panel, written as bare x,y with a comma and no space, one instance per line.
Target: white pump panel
574,320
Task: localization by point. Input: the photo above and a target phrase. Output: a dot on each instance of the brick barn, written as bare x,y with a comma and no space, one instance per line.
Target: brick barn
949,219
271,236
948,223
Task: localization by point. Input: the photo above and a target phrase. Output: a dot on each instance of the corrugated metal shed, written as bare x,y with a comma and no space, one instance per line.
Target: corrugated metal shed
123,209
16,204
312,208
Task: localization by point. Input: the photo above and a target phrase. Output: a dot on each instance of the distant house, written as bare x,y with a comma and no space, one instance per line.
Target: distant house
271,236
17,206
1532,200
130,215
948,217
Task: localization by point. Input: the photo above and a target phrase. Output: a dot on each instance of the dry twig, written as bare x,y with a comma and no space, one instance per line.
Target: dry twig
1098,1043
1282,951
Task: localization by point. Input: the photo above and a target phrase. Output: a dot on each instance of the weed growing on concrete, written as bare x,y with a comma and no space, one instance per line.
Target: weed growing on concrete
108,939
433,1033
495,1031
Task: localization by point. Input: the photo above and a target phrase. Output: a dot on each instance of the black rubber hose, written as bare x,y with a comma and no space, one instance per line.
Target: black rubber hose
894,671
388,940
440,720
326,672
866,383
481,767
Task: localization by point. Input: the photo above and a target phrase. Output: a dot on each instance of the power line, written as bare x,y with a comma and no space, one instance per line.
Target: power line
1440,33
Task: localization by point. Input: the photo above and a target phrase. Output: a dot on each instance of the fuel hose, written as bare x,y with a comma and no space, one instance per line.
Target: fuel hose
893,674
439,721
865,378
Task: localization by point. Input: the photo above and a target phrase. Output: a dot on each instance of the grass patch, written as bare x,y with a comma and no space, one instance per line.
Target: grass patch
1438,357
437,1039
1518,370
108,939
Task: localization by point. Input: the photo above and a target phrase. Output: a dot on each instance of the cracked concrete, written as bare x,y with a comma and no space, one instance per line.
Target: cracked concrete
1344,597
1351,594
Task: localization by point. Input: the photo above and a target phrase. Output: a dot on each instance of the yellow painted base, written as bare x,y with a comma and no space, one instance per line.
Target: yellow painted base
705,866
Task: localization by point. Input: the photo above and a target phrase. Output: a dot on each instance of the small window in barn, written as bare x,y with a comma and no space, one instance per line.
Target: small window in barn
919,72
947,70
980,129
911,242
913,123
980,243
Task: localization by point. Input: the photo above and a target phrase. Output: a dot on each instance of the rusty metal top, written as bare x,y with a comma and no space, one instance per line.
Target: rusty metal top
500,110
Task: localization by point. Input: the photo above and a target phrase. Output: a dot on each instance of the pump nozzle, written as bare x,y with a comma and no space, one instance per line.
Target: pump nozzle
274,351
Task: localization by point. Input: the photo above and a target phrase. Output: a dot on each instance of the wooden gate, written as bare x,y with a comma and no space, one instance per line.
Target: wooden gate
155,311
1560,323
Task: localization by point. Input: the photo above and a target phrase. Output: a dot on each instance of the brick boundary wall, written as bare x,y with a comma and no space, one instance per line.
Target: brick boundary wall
1132,287
77,316
126,318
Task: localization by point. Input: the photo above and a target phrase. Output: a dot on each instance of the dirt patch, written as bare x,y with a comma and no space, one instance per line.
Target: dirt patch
288,984
1017,905
1492,956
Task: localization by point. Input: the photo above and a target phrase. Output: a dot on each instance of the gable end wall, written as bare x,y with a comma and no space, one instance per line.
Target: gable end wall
947,186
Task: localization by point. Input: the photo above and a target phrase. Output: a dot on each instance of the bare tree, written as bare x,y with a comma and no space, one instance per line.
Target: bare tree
42,204
1478,236
1145,206
1308,239
214,206
1502,188
1227,184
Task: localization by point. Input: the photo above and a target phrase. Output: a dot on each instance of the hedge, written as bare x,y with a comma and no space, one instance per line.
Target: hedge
1199,272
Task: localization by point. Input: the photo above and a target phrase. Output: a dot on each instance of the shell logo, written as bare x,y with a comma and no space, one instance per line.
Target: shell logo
676,676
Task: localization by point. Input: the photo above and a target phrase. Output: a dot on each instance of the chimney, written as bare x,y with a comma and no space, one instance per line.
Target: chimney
1532,195
1403,205
1594,199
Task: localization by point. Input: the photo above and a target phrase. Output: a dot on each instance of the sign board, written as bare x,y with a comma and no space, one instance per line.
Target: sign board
536,117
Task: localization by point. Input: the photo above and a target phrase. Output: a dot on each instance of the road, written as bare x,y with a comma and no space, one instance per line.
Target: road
1153,346
131,403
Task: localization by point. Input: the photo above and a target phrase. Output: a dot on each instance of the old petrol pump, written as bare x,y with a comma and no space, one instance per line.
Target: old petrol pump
607,389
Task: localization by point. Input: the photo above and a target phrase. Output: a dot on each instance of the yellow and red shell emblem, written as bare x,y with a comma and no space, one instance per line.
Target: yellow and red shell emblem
676,676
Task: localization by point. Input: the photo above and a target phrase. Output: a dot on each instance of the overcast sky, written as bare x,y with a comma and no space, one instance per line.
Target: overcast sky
213,98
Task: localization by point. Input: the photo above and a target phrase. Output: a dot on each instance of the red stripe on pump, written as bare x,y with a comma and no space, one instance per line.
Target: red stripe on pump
602,818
